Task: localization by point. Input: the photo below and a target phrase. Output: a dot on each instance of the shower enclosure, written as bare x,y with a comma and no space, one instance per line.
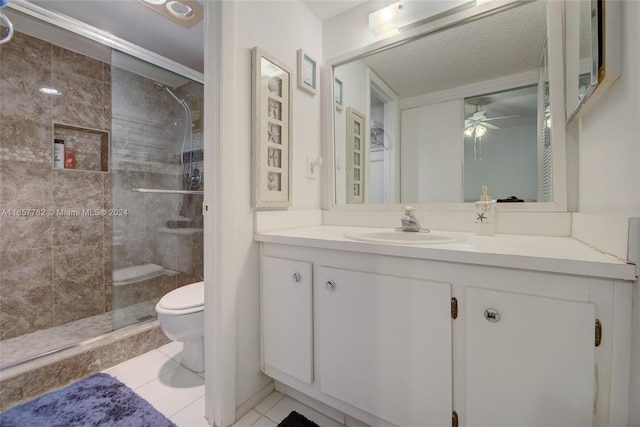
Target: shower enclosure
90,250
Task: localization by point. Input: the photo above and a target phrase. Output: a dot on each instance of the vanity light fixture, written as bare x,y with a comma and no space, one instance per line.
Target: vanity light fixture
405,13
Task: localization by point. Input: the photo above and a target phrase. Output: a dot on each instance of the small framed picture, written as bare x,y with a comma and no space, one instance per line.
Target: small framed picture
307,72
271,120
337,93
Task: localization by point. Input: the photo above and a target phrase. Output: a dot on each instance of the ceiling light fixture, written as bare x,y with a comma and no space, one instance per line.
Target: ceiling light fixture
187,13
397,16
180,10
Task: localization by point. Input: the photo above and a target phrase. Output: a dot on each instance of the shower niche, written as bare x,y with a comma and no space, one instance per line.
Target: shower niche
91,145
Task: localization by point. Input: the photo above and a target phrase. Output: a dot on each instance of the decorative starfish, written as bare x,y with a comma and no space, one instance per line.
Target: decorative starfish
481,217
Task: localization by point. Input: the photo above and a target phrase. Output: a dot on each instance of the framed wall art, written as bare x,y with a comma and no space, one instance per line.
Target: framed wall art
307,72
356,156
271,122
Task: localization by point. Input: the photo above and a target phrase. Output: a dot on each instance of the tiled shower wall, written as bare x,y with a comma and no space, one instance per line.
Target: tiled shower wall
54,267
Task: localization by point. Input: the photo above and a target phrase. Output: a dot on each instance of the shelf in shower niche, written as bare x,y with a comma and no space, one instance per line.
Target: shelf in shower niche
91,145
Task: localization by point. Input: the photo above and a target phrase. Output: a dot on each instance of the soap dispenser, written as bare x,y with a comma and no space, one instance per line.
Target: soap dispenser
485,214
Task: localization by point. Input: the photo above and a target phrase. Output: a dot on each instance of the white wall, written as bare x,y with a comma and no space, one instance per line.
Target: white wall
609,150
279,28
431,170
609,160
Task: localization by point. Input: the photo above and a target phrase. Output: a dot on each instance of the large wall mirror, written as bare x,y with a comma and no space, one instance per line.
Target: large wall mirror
449,112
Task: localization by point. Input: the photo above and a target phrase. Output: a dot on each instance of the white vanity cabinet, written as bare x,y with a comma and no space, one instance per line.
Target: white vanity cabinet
530,360
287,318
384,345
395,340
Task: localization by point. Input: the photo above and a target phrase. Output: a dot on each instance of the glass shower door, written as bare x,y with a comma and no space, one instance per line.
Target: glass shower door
157,180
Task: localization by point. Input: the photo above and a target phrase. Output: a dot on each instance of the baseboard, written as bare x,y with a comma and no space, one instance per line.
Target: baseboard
324,409
258,397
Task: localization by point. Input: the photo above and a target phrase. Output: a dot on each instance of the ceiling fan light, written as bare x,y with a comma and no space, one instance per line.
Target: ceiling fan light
469,131
480,130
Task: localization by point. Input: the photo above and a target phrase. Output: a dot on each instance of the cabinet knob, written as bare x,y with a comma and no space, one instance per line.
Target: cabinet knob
492,315
296,277
330,285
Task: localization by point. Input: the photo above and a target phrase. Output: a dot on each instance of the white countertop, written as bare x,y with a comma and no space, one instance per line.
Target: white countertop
539,253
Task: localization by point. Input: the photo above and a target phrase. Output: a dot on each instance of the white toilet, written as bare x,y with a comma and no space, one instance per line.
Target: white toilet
181,316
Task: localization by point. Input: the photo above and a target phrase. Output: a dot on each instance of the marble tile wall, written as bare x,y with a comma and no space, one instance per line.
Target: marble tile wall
55,259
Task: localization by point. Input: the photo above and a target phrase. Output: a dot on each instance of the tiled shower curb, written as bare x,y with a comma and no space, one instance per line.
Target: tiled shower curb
32,379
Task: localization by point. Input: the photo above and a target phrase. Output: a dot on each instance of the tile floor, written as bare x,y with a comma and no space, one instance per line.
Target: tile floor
178,393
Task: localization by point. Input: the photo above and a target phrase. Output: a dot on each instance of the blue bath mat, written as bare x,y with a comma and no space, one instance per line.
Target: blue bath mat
98,400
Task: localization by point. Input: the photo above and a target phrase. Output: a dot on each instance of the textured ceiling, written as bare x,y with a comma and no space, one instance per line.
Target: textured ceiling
499,45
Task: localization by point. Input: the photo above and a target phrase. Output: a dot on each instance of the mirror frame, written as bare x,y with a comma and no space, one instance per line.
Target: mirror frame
607,40
574,102
556,82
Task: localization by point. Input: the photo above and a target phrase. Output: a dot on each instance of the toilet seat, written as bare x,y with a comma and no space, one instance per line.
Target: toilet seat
184,300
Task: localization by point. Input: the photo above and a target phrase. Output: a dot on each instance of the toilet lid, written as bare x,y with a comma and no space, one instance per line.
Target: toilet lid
184,297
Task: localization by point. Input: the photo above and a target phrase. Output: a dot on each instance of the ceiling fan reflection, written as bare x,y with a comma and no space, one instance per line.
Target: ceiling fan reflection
476,126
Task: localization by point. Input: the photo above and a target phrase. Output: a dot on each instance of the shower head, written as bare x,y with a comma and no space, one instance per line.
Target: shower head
159,86
162,87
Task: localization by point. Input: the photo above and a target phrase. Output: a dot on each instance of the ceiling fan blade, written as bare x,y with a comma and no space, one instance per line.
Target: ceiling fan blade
498,118
490,126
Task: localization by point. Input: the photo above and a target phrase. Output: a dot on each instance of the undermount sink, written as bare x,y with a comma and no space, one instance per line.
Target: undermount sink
402,237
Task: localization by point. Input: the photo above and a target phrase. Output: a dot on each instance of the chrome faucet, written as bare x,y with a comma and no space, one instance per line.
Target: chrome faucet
410,222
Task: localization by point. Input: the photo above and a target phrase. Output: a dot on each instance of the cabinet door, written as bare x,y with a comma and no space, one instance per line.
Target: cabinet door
385,345
287,317
531,363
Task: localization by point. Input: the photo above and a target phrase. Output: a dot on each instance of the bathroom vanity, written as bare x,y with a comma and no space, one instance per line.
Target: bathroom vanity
500,330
